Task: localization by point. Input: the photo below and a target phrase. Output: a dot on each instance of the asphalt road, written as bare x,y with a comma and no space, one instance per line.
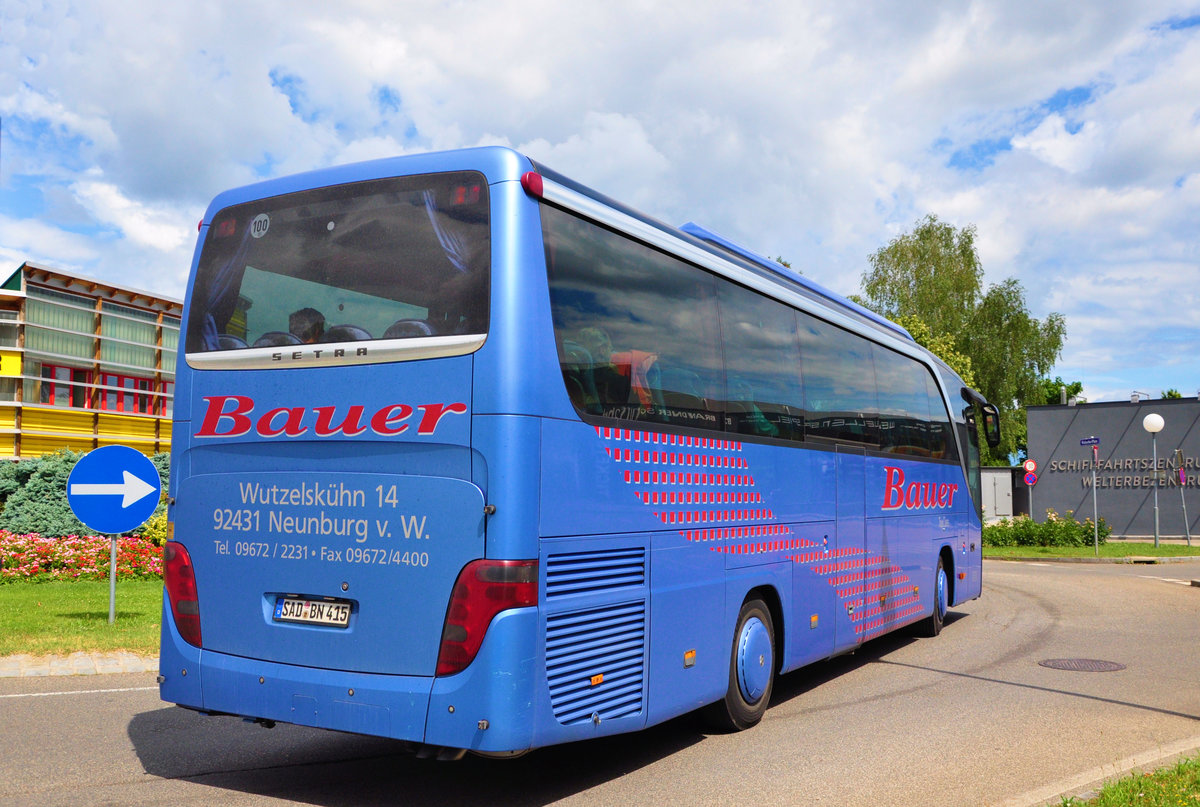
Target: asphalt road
967,718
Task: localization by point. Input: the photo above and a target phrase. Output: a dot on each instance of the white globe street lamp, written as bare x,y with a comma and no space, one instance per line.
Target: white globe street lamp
1154,423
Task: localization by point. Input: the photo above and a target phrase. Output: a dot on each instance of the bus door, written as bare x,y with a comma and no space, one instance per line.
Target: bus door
851,543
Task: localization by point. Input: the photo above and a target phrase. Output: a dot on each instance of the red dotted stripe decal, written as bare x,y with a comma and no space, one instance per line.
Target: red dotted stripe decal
703,487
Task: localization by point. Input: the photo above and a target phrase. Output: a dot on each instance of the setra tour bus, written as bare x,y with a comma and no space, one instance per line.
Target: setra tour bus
471,456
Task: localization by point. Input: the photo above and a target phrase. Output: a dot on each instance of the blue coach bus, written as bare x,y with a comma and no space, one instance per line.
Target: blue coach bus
468,455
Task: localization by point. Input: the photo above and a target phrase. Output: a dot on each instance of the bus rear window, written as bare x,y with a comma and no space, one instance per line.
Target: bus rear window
398,258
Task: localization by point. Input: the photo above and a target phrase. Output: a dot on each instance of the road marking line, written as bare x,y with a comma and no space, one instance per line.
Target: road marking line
77,692
1175,580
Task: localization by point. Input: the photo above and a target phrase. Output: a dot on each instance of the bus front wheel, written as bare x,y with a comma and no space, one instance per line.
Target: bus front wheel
751,671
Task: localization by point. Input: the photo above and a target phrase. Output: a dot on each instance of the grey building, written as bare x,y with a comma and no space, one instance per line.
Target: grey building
1125,471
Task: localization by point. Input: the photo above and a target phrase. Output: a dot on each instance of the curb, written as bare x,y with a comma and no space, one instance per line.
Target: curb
1087,783
27,666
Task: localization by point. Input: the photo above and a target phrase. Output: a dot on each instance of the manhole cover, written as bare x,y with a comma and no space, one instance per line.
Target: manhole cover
1081,665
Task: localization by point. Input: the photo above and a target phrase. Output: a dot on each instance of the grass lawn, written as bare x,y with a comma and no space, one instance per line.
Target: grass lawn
1112,549
1169,787
45,619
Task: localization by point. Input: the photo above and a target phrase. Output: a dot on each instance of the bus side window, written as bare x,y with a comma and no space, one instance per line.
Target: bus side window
640,314
941,436
903,403
839,383
764,394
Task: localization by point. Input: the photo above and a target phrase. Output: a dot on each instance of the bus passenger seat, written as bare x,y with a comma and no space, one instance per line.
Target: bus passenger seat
577,372
228,341
408,328
346,333
681,393
277,339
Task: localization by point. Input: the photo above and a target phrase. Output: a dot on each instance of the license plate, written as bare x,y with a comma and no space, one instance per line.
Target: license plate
312,612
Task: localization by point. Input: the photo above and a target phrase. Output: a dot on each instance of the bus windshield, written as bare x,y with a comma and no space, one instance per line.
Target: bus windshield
385,259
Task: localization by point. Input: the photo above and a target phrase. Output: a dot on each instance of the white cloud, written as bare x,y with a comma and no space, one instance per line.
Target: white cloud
1067,134
142,224
37,241
26,104
1053,144
611,151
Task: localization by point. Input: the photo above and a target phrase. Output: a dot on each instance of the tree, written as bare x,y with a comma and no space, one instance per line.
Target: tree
1052,391
941,346
1172,393
934,275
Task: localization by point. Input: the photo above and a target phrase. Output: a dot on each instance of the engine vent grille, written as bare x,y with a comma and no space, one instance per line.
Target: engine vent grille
594,572
595,661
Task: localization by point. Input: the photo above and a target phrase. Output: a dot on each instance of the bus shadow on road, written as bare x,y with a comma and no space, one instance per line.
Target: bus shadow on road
313,766
800,682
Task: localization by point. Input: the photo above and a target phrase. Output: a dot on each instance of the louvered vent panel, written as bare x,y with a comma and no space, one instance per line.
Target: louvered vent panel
593,572
582,645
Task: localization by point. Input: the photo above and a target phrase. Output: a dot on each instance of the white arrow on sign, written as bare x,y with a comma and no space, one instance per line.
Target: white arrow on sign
131,490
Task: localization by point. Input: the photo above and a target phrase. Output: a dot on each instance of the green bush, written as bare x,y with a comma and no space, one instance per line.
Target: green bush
40,505
34,495
155,528
14,475
1056,530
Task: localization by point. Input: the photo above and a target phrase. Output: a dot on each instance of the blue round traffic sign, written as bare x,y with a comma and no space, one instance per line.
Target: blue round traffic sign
113,489
1031,479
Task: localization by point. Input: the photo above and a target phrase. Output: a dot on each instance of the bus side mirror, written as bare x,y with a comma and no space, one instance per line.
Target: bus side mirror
991,424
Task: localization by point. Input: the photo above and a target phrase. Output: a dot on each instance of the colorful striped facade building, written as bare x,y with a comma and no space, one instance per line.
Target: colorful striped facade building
84,363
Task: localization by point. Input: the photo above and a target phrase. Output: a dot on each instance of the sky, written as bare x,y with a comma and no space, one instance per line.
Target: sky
1066,133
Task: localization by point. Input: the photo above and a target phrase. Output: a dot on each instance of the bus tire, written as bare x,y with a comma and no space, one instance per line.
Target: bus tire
751,671
932,625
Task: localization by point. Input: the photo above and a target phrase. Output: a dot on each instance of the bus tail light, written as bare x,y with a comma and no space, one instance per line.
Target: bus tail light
483,589
180,580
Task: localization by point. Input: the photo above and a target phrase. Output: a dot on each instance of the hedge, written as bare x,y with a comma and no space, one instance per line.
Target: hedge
1056,530
33,493
41,540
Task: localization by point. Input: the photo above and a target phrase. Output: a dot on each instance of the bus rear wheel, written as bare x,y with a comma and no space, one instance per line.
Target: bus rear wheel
751,671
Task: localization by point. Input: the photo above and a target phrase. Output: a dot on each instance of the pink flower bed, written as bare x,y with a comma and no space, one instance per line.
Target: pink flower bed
34,558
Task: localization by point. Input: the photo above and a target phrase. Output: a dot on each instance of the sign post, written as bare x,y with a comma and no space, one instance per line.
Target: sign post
109,490
1030,467
1187,528
1094,442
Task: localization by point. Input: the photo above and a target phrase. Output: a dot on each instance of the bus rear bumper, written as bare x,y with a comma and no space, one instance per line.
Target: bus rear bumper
488,707
217,683
363,703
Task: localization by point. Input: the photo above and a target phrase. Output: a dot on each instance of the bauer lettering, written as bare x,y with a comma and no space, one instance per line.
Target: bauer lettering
237,415
915,495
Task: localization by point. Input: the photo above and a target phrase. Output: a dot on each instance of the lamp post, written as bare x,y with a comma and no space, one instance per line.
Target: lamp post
1154,423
